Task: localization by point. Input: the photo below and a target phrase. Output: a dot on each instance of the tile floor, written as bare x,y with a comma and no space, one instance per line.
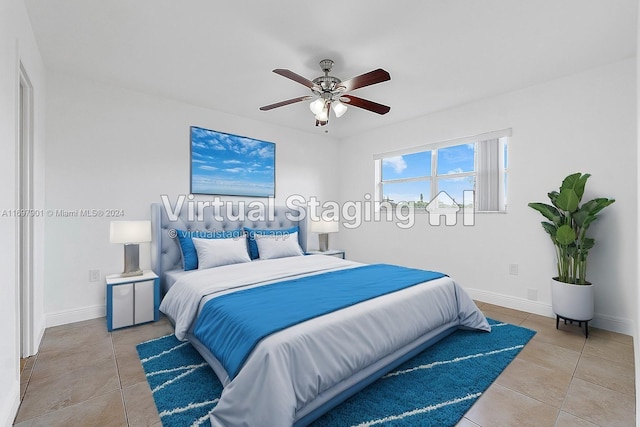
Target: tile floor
86,376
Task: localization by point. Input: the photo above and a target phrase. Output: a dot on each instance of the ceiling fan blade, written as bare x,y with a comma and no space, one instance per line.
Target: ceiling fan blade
365,104
296,78
287,102
366,79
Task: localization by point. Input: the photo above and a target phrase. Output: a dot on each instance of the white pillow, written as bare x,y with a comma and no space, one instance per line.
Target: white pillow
278,245
217,252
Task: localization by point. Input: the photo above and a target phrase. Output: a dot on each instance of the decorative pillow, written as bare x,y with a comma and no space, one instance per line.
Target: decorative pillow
217,252
278,245
189,255
252,233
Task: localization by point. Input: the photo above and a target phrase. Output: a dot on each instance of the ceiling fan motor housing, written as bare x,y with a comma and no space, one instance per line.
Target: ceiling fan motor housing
326,65
327,83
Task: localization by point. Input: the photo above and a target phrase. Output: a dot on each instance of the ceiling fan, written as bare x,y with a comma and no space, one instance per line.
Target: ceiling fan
330,93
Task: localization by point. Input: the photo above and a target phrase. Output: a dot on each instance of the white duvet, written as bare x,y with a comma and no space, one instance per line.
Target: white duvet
292,371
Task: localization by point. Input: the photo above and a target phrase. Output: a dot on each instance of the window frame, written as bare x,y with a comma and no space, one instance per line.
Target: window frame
434,178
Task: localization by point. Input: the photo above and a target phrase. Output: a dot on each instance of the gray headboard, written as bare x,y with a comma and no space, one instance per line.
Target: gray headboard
165,250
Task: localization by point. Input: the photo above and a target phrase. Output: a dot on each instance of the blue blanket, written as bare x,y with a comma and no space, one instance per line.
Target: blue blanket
232,325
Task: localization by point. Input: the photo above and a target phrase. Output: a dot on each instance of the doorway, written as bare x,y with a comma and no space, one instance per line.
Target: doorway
26,214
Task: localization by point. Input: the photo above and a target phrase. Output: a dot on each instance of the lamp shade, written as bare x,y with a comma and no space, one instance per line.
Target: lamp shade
324,226
323,115
338,108
130,231
317,106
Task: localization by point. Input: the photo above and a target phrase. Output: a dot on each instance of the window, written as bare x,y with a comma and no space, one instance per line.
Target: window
448,170
407,178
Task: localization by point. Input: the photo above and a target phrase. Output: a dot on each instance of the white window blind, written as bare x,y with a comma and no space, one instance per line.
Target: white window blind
490,191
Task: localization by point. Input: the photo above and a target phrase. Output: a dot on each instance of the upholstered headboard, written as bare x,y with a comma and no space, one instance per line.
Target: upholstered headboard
165,249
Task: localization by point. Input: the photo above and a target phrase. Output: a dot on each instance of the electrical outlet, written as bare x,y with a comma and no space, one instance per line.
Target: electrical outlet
532,294
94,275
513,269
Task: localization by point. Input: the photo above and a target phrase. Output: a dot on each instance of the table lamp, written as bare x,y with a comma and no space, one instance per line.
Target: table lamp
131,233
323,227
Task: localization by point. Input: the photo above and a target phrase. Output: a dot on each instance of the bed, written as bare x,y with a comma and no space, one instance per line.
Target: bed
292,375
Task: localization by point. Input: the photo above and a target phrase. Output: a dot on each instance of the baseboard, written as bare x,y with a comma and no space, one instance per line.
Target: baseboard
535,307
602,321
10,404
613,323
75,315
39,337
37,340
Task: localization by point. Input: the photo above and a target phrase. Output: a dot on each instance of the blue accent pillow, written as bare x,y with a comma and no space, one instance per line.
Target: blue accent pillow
188,250
251,237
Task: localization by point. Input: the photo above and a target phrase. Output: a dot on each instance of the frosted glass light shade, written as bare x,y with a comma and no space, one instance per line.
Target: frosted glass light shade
338,108
130,232
323,116
317,106
323,226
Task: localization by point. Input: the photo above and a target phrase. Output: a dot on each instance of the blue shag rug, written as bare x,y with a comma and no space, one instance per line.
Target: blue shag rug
435,388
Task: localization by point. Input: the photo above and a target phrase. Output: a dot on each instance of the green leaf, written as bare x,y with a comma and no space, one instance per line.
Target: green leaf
550,228
587,244
565,235
571,251
570,181
580,184
596,205
575,182
581,215
587,212
568,200
548,211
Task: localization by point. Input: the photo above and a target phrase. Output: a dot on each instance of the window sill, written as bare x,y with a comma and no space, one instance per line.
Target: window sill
422,211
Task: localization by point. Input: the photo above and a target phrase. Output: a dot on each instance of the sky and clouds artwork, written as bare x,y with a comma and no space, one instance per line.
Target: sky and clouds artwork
225,164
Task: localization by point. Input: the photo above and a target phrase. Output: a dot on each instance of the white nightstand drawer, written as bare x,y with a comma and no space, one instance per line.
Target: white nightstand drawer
122,309
143,302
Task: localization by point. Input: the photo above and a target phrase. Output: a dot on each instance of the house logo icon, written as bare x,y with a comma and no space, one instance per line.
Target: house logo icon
443,205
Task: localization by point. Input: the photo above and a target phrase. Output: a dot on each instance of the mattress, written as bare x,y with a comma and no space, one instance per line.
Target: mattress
311,363
170,277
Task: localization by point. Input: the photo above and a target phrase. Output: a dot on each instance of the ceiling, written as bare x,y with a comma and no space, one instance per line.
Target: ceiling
440,53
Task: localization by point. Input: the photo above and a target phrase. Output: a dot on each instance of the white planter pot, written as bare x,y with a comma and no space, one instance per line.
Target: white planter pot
573,302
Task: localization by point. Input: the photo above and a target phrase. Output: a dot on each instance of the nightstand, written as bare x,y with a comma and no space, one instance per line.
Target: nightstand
132,300
331,252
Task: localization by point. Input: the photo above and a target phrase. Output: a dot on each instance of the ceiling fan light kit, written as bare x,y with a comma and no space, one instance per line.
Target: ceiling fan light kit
330,93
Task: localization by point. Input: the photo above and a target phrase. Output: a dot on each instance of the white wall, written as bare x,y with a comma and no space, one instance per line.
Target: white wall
17,45
585,122
111,148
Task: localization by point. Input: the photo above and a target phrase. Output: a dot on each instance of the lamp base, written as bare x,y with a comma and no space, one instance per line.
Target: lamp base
131,260
132,273
323,242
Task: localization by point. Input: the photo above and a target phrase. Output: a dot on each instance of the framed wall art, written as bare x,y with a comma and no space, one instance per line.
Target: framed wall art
232,165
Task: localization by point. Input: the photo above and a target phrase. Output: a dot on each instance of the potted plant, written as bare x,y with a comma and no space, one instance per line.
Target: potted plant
567,224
